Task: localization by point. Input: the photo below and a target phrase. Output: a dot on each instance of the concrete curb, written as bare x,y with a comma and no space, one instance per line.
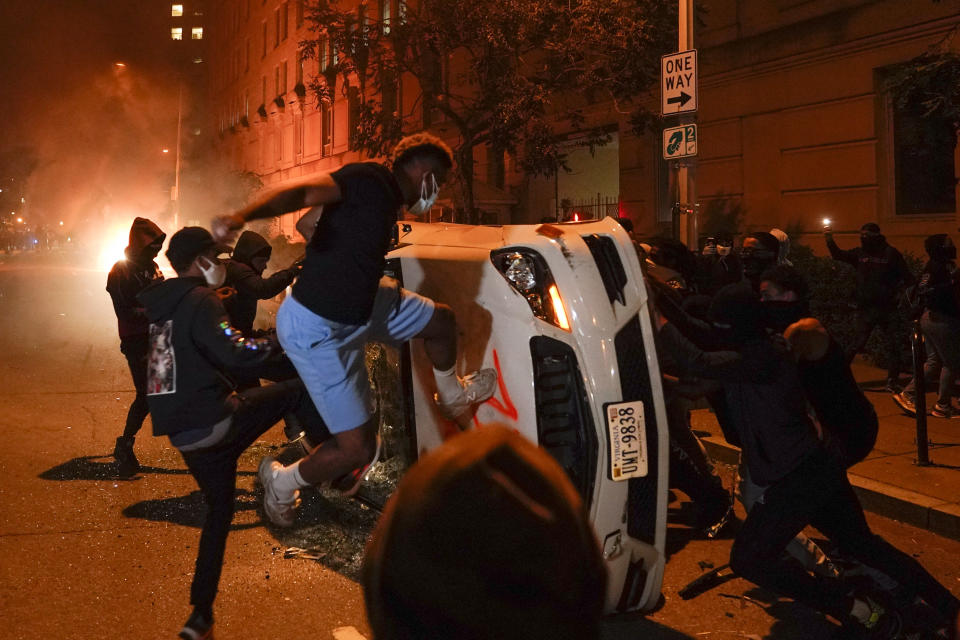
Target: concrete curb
916,509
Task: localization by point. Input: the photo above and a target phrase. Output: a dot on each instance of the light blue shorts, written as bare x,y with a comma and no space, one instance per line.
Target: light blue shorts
330,356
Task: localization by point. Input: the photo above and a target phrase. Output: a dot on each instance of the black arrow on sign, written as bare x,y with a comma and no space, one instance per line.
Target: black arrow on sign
683,98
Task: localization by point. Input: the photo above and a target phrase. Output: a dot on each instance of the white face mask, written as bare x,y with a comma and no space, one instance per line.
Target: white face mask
427,199
215,274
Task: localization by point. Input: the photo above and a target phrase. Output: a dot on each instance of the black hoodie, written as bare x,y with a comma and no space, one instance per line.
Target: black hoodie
879,273
250,285
191,345
129,277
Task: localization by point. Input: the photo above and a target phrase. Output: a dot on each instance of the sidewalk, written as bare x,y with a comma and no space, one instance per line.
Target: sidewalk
889,482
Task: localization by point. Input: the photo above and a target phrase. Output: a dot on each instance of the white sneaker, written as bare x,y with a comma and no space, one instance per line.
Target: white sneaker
477,387
281,510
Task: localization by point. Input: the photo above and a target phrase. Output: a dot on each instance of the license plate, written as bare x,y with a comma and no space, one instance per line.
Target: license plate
627,437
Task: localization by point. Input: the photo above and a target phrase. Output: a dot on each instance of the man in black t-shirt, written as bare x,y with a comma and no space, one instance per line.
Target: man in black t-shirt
341,301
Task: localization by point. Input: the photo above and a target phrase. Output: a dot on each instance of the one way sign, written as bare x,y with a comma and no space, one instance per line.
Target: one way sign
678,82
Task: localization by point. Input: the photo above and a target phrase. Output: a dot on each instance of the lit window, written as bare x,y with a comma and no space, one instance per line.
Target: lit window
196,33
176,10
385,15
198,60
176,33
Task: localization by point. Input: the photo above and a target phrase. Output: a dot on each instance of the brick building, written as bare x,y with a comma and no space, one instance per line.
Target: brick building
794,122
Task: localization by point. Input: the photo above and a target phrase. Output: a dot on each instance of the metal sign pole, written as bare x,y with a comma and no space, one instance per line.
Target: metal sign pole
686,177
920,384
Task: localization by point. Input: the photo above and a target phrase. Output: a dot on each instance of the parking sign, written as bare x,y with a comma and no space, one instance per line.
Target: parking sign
680,142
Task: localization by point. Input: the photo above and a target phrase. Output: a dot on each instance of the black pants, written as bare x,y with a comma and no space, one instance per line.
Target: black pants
136,349
274,372
818,493
690,470
215,471
886,320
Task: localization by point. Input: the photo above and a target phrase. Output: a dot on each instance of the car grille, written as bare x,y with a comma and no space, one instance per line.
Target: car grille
564,423
635,385
607,258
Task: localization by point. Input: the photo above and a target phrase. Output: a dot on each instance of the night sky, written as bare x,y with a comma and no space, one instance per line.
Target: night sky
96,130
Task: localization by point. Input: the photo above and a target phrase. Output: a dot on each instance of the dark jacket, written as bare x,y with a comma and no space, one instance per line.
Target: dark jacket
129,277
191,344
763,395
250,285
848,418
939,284
879,274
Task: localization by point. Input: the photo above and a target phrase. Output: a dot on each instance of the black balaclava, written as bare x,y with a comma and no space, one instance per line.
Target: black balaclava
737,313
758,259
871,239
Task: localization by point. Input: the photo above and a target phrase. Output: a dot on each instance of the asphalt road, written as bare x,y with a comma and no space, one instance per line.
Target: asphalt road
84,555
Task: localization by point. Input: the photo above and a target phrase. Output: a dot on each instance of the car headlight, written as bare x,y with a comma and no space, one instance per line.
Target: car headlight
528,274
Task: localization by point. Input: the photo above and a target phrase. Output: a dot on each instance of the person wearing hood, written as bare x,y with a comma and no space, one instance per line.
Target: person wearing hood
939,293
245,274
128,278
803,483
342,300
881,275
193,347
759,251
847,418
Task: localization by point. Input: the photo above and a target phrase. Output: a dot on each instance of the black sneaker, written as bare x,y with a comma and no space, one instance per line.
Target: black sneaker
197,627
893,385
945,411
127,463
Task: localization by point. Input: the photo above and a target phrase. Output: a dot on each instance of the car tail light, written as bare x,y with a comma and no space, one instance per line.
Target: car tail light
527,272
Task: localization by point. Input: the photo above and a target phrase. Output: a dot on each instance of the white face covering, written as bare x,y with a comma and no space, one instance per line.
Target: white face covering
427,198
215,274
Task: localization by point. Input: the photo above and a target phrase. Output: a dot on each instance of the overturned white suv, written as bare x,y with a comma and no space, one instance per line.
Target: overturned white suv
560,311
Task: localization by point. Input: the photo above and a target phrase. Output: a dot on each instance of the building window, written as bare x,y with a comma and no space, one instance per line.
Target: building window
246,62
326,127
324,54
263,90
385,15
176,10
299,70
924,167
176,33
496,168
196,33
390,88
263,54
284,20
353,112
276,27
276,80
283,78
299,10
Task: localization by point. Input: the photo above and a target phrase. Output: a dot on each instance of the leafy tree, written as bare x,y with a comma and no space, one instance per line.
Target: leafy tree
505,74
929,83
